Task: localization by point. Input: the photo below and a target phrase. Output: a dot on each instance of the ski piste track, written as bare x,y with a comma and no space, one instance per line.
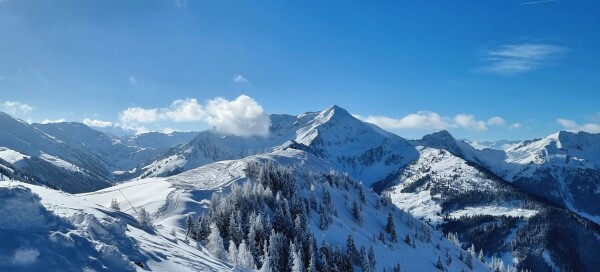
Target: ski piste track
171,204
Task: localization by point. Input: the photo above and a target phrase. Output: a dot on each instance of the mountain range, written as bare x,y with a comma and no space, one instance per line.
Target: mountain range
524,205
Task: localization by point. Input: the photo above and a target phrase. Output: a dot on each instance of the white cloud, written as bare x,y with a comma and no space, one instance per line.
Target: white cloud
515,126
469,122
139,115
419,120
185,110
132,80
97,123
241,79
427,120
242,116
48,121
519,58
571,125
15,107
496,121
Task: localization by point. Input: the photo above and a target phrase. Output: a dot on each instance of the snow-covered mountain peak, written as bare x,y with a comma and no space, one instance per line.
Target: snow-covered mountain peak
579,146
444,140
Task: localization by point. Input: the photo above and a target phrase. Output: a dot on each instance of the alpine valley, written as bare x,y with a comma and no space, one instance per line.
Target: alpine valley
324,191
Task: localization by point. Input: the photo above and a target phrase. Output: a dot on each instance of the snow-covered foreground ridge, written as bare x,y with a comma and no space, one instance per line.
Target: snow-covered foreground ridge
47,224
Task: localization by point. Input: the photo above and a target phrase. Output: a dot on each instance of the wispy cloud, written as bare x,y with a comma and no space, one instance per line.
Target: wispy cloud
536,2
428,120
571,125
15,107
241,79
519,58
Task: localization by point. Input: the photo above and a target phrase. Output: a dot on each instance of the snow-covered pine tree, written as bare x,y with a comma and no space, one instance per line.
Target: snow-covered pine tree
439,264
114,204
365,263
372,260
469,260
351,249
215,243
232,253
356,212
389,226
190,228
266,259
297,265
245,258
144,218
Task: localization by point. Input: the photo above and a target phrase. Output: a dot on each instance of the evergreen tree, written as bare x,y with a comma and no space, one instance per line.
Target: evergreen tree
203,228
266,259
381,236
144,218
407,239
215,243
190,227
361,191
365,263
232,253
448,258
245,258
439,264
469,260
471,250
397,268
351,251
235,228
481,257
297,265
372,260
356,212
389,226
312,264
323,218
114,204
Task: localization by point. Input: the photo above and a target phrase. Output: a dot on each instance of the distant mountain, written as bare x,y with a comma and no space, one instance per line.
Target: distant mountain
361,149
159,140
49,160
73,157
498,145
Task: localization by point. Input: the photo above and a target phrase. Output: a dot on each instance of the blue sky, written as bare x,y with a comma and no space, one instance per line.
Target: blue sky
481,69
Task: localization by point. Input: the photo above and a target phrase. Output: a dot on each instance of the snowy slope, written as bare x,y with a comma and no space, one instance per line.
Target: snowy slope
171,199
436,177
158,140
106,240
563,167
498,145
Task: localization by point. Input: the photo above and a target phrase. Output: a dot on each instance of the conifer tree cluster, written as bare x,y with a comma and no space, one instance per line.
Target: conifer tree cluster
263,223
